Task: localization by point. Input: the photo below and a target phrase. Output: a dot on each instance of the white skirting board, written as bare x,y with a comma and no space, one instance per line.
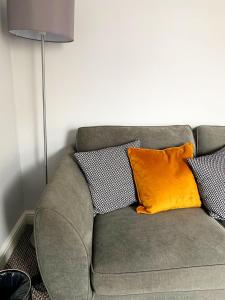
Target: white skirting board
9,245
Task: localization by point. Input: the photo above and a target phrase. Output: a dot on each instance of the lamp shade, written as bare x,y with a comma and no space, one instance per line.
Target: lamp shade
32,18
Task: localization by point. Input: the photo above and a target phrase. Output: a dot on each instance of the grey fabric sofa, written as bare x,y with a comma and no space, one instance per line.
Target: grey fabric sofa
121,255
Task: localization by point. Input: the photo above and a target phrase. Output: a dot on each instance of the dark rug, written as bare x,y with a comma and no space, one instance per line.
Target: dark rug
24,258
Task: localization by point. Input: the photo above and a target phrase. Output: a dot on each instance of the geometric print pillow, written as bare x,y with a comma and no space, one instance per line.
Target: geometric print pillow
109,177
209,171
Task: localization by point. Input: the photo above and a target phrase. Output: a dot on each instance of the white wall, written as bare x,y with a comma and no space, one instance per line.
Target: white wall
11,195
132,62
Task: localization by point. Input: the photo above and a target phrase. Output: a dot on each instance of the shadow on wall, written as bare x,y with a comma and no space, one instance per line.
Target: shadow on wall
34,178
30,186
12,203
11,194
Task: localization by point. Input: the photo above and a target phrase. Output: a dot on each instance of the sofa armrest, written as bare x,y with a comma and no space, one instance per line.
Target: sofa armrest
63,233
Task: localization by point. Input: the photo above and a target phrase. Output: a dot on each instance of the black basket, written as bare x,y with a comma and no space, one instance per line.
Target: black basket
14,285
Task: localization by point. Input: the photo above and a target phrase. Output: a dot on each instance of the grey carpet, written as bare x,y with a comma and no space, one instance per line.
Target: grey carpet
24,259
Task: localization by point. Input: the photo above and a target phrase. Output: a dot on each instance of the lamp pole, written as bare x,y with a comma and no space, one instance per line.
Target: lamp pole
44,106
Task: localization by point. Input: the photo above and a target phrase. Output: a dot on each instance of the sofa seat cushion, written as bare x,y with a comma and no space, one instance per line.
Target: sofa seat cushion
180,250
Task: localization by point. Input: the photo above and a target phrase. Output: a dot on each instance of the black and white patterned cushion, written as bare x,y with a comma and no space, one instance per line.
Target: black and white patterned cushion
209,171
109,177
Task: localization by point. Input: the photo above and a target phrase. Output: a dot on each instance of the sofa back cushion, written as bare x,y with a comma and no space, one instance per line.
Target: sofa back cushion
156,137
209,138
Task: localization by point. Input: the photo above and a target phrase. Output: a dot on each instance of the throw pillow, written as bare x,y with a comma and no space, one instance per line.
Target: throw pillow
163,179
209,171
109,177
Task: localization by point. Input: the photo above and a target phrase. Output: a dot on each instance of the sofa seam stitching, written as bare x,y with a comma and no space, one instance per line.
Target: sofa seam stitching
163,270
151,293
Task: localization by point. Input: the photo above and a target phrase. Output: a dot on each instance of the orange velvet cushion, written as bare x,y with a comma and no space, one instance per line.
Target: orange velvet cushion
163,179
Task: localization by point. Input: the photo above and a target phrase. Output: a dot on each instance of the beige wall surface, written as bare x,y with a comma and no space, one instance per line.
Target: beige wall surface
11,194
132,62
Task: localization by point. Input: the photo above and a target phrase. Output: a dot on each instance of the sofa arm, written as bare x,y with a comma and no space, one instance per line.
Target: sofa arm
63,233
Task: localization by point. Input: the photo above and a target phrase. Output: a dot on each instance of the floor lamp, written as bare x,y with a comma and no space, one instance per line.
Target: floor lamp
45,21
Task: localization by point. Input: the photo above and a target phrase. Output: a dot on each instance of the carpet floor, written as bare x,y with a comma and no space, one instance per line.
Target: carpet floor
24,258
